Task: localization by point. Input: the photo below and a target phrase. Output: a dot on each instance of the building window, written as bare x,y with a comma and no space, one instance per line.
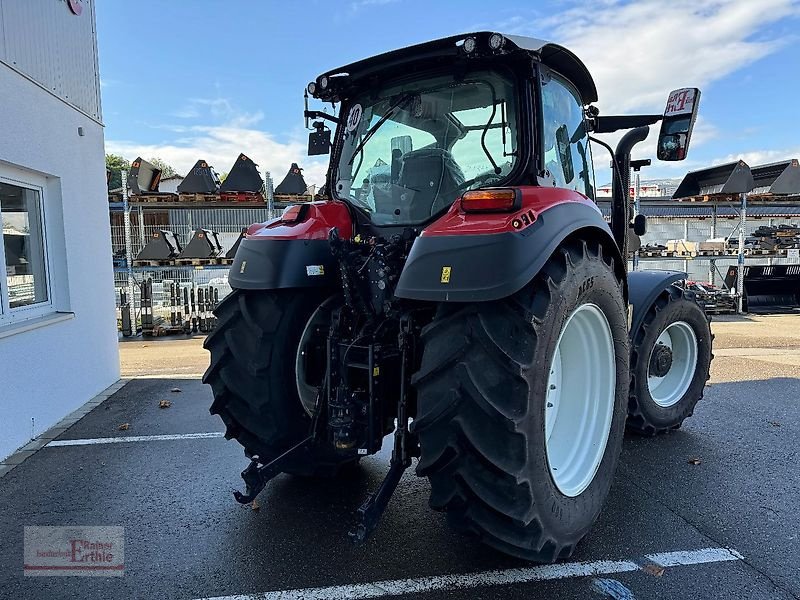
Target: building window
25,287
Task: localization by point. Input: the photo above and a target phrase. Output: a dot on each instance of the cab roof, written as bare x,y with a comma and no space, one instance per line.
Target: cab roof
552,55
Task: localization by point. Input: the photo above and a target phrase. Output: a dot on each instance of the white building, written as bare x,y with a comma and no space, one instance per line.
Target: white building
58,341
648,188
170,184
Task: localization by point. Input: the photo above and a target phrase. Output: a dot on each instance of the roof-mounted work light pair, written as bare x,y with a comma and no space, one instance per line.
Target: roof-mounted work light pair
496,42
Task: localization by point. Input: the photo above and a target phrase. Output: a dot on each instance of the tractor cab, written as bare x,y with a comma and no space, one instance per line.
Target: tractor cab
420,126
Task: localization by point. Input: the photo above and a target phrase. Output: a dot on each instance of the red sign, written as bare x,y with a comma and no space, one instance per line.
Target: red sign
76,6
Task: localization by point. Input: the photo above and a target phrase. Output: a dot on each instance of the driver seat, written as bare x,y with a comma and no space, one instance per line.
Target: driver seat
429,176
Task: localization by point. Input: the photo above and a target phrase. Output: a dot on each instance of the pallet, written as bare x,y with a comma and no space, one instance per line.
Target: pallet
152,198
154,263
198,198
201,262
246,197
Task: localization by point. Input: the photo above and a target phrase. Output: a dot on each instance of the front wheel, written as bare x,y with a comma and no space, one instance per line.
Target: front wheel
521,406
670,361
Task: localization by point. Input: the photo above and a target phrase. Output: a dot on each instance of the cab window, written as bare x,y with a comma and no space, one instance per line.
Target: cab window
566,151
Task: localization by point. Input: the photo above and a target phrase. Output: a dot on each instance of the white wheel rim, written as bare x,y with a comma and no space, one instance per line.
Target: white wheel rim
667,390
580,398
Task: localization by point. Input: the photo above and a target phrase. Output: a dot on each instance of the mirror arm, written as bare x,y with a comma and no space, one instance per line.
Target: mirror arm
620,188
317,114
611,123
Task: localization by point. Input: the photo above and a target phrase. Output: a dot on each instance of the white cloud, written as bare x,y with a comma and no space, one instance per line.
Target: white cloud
639,51
760,157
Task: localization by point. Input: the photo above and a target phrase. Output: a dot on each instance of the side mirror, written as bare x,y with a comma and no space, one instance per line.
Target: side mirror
319,141
640,225
677,124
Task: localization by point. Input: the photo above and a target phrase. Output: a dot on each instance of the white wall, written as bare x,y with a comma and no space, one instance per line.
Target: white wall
47,372
47,42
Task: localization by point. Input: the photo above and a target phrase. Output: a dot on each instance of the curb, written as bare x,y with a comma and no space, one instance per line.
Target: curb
29,449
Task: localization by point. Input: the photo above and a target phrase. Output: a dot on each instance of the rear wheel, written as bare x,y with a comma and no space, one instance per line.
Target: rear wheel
265,367
670,361
522,407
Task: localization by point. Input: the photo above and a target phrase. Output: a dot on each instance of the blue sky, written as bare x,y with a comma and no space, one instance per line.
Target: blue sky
206,79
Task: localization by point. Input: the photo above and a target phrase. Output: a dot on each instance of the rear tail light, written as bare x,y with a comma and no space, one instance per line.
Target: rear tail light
294,213
481,201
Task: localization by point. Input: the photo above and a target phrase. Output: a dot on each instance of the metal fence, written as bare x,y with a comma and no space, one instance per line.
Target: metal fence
228,222
700,268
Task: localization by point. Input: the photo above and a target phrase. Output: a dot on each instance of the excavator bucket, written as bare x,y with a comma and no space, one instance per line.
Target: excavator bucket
293,184
722,180
201,179
780,178
768,288
143,178
232,251
163,245
204,244
243,177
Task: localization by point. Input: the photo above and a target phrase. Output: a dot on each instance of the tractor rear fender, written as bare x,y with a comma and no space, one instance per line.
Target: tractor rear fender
280,254
643,289
470,266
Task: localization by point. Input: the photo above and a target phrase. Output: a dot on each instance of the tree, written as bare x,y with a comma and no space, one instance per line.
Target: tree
116,163
167,170
223,177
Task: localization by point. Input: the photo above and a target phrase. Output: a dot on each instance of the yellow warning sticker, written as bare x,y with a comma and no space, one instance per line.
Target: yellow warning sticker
446,274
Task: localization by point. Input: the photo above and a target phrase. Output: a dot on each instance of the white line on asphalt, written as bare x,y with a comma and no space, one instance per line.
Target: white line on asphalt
398,587
694,557
136,438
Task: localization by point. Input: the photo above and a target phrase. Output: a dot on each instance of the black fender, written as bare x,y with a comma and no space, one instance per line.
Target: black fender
265,264
479,268
643,289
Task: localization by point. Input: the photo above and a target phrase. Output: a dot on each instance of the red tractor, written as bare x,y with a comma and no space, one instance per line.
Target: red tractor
458,286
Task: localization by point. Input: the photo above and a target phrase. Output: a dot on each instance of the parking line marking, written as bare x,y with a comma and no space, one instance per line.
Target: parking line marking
399,587
136,438
694,557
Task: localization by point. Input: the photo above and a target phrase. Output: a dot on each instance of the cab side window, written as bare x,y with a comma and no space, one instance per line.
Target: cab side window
567,155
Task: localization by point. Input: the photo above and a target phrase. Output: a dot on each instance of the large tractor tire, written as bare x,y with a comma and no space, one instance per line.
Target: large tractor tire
254,360
521,406
670,361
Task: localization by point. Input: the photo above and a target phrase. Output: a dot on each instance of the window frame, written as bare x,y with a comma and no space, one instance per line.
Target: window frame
525,135
544,73
21,314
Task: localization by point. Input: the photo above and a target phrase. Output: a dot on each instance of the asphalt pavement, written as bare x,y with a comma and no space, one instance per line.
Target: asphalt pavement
709,511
